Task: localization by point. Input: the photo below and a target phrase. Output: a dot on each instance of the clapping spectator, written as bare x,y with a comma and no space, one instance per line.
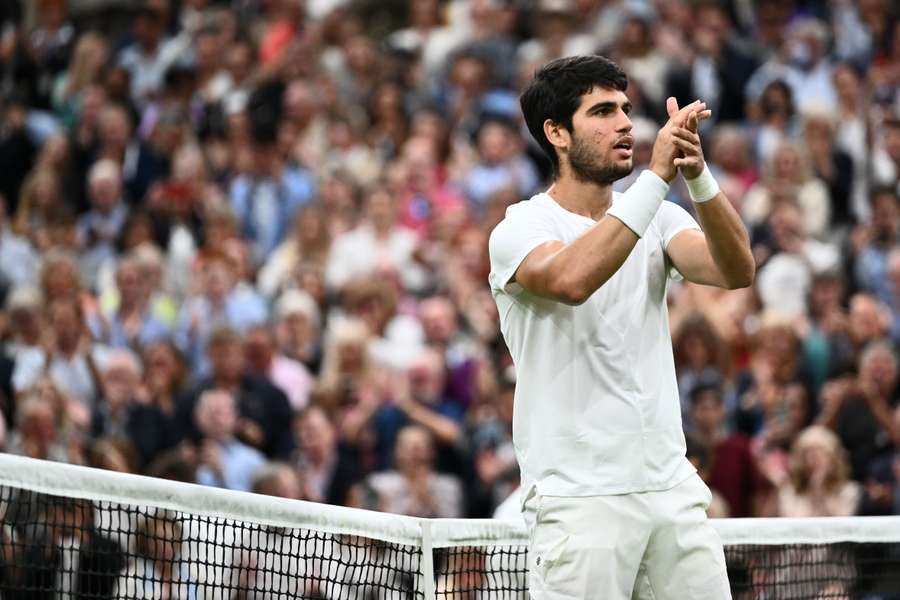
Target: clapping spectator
819,484
265,412
289,375
414,488
225,461
860,409
378,246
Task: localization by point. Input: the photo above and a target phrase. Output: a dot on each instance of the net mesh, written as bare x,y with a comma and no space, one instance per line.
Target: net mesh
54,546
187,542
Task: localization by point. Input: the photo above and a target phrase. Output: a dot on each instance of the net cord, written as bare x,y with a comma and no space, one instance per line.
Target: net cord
426,534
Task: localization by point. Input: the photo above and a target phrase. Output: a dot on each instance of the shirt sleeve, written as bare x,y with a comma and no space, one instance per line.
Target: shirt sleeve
510,242
672,219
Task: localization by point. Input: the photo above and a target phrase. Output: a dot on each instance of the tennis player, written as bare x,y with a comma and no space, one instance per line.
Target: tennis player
579,274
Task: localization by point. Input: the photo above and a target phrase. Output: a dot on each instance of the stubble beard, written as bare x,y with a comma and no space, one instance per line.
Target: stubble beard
586,167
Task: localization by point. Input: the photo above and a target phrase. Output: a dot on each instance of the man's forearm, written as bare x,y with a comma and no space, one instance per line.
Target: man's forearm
728,241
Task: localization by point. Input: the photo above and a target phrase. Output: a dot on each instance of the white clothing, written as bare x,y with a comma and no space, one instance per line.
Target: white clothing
359,253
596,406
647,546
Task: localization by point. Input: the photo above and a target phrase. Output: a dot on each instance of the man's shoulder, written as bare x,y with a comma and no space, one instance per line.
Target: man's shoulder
533,210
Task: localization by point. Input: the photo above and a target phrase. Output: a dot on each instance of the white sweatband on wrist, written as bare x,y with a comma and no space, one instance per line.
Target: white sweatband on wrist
704,187
638,205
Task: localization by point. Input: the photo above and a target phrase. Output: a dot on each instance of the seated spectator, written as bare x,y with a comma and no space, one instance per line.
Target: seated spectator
68,552
859,409
819,484
120,379
157,568
699,456
730,467
788,174
789,258
19,263
100,227
224,461
220,304
265,412
40,198
37,432
443,332
732,164
68,355
379,246
23,309
297,328
417,397
830,164
267,199
395,338
873,242
414,488
500,164
308,241
153,425
133,324
328,466
289,375
278,479
700,358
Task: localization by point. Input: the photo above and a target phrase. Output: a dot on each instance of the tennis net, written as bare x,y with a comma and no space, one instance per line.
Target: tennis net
74,532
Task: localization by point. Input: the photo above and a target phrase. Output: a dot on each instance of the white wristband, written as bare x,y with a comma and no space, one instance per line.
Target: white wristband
704,187
638,205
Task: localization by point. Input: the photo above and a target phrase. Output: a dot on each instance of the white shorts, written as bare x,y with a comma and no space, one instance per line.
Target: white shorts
649,545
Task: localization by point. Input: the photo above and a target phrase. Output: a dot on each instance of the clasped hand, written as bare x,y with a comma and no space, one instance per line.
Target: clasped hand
677,144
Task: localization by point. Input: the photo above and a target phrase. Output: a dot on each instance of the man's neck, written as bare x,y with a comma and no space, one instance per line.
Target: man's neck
582,198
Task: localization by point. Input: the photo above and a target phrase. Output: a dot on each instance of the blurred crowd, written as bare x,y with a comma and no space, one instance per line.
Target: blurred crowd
243,243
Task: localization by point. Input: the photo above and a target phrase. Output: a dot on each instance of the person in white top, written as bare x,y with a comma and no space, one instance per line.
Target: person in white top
579,275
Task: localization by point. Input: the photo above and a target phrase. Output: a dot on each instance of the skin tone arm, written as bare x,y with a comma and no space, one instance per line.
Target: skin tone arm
719,255
570,273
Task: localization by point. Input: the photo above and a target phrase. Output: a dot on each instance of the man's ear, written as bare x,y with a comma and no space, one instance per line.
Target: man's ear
558,135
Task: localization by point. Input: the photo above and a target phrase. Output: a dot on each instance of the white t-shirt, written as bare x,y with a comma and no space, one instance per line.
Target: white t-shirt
596,406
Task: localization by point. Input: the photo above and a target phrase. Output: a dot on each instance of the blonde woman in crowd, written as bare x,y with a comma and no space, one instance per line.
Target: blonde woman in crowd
40,200
819,483
788,175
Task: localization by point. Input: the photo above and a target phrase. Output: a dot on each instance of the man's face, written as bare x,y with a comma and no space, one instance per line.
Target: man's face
601,148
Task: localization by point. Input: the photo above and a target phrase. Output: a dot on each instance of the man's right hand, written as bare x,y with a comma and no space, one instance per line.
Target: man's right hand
662,159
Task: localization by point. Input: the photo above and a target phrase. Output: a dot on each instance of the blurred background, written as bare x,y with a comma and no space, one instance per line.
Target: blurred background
244,243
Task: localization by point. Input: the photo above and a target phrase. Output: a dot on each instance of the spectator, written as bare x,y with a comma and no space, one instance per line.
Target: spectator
789,174
40,198
120,383
873,241
307,243
820,484
268,198
328,466
224,460
418,399
860,409
68,536
153,426
156,568
133,324
68,355
730,467
297,328
265,412
220,304
287,374
18,260
378,246
500,164
414,489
